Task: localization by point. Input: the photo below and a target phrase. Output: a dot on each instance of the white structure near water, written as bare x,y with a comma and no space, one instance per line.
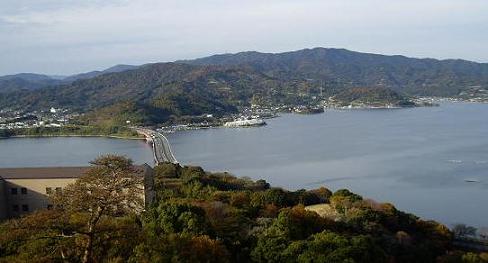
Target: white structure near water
245,123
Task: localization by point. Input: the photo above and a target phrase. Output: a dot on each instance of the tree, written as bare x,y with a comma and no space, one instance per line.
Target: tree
109,188
276,196
262,185
343,199
323,193
180,247
170,218
471,257
462,230
270,245
299,223
167,170
333,247
45,235
483,232
191,173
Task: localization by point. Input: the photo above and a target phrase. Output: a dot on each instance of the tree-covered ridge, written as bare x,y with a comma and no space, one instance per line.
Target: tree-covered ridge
370,96
25,81
341,68
167,89
221,84
31,81
215,217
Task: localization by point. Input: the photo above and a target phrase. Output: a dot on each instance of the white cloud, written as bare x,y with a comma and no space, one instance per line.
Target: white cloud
66,36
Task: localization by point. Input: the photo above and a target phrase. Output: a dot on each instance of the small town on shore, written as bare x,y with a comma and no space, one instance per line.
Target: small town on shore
247,117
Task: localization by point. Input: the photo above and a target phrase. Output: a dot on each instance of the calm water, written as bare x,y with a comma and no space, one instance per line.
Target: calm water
417,158
68,151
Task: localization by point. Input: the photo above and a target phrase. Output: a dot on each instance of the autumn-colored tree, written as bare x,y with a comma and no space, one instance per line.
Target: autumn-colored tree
323,194
45,235
110,188
342,200
180,247
167,170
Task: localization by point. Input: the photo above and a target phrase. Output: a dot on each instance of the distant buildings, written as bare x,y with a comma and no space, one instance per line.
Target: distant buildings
24,190
52,118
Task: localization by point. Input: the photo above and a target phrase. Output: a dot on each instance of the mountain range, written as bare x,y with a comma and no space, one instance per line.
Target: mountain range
341,68
32,81
221,83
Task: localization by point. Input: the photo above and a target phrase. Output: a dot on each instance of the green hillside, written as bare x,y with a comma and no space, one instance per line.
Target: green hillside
341,68
371,96
221,84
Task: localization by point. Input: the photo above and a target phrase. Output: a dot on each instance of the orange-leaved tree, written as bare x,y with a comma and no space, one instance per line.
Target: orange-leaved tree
111,188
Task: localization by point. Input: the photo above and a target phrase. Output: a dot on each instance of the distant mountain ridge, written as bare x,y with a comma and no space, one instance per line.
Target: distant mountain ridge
25,81
33,81
26,76
342,68
92,74
221,83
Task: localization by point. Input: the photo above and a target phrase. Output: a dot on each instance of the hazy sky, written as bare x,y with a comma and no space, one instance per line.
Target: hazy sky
70,36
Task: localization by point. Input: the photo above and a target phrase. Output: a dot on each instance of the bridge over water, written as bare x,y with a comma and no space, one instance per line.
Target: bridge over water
161,147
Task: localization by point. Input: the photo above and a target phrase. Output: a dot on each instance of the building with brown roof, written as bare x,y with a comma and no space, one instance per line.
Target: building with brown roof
23,190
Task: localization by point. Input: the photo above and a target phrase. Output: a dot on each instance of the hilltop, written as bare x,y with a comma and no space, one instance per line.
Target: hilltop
33,81
341,68
25,81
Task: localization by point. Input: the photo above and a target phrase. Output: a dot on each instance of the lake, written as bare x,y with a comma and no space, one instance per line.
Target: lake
423,160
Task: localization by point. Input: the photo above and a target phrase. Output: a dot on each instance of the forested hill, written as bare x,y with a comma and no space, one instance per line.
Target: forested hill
167,89
341,68
370,96
32,81
25,81
220,84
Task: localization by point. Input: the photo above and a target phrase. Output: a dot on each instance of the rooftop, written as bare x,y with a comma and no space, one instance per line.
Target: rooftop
53,172
42,172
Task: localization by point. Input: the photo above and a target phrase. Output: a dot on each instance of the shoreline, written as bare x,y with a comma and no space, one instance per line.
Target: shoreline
53,136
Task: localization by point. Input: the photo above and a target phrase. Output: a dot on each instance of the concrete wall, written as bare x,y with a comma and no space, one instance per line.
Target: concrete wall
36,196
3,201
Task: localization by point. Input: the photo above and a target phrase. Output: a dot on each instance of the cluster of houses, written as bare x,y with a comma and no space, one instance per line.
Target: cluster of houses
50,118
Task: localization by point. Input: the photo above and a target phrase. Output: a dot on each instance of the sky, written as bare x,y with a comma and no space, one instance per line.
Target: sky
62,37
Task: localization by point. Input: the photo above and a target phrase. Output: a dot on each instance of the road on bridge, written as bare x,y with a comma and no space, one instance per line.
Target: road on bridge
161,147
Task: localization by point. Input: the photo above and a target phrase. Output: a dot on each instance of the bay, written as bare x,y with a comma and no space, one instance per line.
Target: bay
423,160
432,162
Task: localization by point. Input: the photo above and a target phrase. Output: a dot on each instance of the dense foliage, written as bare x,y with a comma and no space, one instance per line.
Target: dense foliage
216,217
340,68
72,130
372,97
